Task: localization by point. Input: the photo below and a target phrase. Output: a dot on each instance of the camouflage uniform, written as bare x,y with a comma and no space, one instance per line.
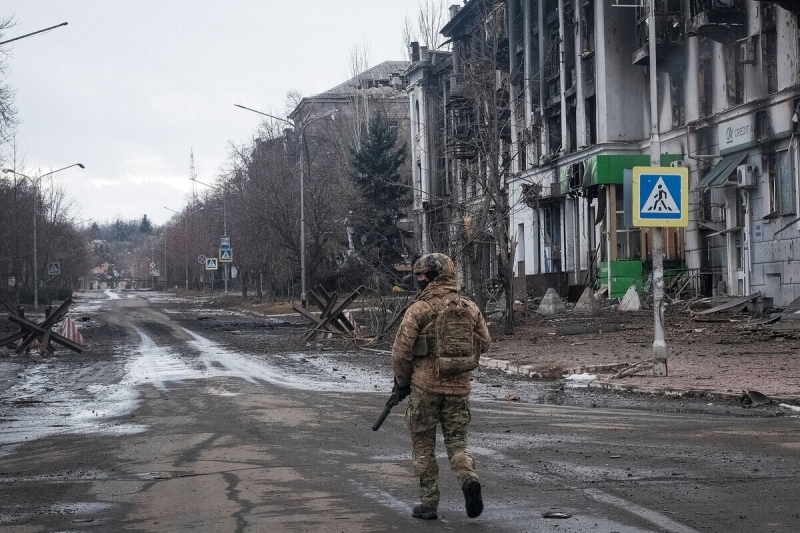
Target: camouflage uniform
435,400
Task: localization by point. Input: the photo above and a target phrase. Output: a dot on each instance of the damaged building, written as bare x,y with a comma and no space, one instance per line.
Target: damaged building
578,77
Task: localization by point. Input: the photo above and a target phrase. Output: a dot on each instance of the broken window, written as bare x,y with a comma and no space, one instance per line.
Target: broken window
591,120
587,21
782,185
705,79
628,239
554,131
677,97
552,237
734,74
769,58
572,125
786,183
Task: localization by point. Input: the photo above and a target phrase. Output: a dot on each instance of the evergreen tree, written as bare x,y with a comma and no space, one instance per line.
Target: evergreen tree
145,226
376,174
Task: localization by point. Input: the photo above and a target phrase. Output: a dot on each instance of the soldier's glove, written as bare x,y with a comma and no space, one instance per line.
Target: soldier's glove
402,392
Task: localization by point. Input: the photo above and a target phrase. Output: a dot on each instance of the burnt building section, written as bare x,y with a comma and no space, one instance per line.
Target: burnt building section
462,115
578,119
727,100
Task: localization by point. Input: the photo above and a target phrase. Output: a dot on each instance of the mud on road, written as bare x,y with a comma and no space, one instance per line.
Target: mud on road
180,381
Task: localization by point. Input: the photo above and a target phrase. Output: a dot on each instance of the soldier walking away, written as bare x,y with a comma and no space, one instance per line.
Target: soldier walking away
439,342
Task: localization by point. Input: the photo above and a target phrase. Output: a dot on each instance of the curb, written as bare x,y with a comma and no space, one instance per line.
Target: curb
605,384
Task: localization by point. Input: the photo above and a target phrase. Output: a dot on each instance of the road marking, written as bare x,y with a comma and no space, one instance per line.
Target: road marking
642,512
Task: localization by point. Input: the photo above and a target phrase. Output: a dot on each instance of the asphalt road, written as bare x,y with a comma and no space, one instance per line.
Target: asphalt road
181,418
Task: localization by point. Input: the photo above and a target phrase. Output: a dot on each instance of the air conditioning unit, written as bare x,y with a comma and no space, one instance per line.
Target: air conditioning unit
678,163
746,177
747,52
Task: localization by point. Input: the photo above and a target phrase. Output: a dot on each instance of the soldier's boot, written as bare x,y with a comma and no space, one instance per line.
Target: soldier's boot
424,512
472,497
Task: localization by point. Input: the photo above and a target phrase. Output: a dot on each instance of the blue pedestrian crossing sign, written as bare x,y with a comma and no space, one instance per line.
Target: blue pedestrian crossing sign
211,263
661,197
53,269
225,255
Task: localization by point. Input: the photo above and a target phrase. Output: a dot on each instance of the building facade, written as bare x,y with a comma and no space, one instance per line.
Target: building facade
727,92
578,110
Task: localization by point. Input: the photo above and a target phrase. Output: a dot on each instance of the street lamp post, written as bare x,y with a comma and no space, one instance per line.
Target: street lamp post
35,183
302,128
186,238
166,279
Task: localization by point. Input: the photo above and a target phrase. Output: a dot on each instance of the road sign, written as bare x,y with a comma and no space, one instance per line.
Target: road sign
211,263
201,259
152,265
661,197
154,272
225,256
53,269
225,242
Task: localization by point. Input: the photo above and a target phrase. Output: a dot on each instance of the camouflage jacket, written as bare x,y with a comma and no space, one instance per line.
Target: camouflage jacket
419,370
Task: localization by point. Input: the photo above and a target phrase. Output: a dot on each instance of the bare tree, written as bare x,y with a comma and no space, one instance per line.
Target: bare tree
8,114
481,144
426,27
359,95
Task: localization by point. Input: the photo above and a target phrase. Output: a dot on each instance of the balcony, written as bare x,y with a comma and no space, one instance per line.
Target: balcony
716,18
670,32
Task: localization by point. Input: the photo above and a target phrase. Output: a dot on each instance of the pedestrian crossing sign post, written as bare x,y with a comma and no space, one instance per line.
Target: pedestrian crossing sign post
661,197
225,255
53,269
211,263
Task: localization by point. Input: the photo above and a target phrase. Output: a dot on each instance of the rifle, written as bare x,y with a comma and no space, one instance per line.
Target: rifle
393,400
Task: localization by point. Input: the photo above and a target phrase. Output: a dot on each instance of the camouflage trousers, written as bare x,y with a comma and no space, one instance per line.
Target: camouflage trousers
426,411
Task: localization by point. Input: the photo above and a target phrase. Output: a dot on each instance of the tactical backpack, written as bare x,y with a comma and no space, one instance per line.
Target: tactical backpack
453,337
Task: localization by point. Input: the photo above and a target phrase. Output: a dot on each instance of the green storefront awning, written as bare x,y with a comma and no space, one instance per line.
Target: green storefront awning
608,169
718,177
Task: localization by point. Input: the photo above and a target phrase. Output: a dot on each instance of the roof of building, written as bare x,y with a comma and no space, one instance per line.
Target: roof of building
379,75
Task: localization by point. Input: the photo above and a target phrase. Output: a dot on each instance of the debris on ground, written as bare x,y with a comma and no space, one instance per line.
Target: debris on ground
752,398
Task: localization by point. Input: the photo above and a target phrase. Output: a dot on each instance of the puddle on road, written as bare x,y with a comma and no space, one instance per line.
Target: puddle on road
100,407
38,405
91,302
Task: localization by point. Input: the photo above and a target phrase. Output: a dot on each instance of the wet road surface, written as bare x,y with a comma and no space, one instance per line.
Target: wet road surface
192,419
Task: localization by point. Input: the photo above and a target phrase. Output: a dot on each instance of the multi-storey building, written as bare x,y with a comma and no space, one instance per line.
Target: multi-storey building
727,97
727,90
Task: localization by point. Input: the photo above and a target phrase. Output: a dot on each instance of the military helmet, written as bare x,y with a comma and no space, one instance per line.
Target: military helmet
439,263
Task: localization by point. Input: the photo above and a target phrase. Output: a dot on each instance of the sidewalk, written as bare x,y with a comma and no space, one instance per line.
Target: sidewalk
718,357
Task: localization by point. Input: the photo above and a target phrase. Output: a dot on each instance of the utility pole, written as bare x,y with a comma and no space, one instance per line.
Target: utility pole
659,344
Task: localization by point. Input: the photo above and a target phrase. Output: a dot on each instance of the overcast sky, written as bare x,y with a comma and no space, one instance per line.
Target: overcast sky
130,87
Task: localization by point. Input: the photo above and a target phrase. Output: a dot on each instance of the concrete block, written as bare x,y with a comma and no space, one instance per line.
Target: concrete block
488,362
551,304
631,301
587,304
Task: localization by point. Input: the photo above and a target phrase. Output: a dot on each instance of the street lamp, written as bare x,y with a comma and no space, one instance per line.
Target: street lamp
302,128
186,238
35,183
